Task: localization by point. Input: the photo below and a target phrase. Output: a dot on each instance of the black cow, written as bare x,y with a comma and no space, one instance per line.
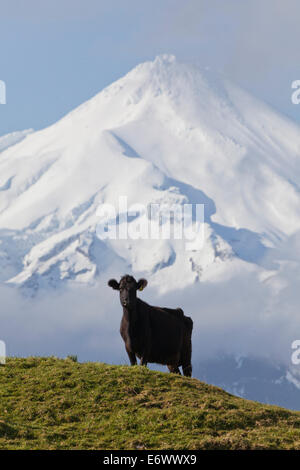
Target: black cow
153,334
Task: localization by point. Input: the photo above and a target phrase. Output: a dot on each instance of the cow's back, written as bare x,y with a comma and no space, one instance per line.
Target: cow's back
166,332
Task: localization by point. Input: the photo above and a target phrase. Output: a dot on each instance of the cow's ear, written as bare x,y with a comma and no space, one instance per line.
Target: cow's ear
114,284
142,283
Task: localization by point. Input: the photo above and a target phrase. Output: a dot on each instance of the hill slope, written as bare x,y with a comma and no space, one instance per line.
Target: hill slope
48,403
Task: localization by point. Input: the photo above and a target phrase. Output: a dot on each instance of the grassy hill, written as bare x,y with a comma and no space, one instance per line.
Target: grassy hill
49,403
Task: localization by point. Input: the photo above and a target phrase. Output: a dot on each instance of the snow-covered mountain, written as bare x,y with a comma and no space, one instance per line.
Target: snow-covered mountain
10,139
166,132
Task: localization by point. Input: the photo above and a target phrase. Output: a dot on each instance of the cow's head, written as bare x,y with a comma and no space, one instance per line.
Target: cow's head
127,288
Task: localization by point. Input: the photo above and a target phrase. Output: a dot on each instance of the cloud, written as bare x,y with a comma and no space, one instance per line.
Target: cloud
77,320
256,35
246,315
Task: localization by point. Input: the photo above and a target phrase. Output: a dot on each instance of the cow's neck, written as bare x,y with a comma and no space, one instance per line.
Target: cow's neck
130,314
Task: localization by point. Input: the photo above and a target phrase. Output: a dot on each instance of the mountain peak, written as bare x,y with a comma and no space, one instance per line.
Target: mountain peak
167,132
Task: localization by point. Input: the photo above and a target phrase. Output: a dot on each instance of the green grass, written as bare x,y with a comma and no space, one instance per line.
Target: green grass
49,403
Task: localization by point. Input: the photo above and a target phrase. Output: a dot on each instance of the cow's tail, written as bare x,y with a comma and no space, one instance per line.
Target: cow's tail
188,323
186,354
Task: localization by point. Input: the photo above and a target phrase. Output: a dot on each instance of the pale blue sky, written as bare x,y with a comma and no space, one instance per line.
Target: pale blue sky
56,54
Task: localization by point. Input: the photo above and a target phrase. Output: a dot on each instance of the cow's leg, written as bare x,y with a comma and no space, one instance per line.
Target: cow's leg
131,356
186,359
144,358
146,353
144,361
187,370
174,369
